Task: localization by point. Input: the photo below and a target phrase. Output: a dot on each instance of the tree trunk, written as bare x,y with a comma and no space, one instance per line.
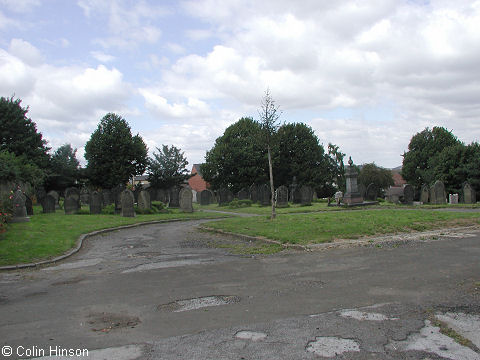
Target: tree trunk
272,189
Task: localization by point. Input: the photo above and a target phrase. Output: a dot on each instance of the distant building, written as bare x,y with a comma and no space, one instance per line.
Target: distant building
140,180
196,182
397,177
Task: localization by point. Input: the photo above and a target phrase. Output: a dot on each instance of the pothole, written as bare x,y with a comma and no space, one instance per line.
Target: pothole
250,335
332,346
364,316
198,303
71,281
106,322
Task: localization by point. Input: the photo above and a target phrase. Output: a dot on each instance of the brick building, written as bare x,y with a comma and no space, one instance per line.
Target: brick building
196,182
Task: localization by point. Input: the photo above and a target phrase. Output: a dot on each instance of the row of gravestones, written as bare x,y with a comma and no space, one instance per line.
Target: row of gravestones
436,193
260,194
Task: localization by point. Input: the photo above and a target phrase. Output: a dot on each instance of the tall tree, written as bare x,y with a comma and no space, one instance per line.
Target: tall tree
64,168
238,157
371,173
269,113
113,155
336,170
19,135
168,167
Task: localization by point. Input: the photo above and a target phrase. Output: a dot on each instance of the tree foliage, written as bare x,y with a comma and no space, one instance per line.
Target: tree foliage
371,173
113,155
19,135
18,169
167,168
336,169
64,168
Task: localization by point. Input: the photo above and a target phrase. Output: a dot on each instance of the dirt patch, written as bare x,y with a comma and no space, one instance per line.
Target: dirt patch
198,303
71,281
106,322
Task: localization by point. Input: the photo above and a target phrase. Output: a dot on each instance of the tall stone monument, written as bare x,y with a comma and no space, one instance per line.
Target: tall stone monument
352,195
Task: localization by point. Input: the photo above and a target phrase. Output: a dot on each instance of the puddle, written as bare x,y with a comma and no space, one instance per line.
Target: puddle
465,324
332,346
364,316
167,264
198,303
431,340
250,335
74,264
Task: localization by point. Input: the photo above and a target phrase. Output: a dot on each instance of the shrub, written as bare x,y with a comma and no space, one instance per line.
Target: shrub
158,205
240,203
109,210
6,210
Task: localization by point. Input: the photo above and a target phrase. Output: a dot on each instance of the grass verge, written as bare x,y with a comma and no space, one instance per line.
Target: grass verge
48,235
327,226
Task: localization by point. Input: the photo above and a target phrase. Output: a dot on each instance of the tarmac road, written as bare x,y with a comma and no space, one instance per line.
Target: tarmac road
163,292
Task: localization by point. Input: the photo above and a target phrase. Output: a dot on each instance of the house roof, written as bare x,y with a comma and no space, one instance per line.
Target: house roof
197,168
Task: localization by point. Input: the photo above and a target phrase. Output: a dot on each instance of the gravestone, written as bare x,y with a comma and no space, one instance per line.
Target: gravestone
48,204
352,195
469,194
362,190
206,197
282,196
174,193
41,195
95,203
306,195
338,197
437,193
117,196
242,194
107,197
371,192
19,210
264,194
56,197
72,191
408,194
161,195
144,201
71,205
136,192
28,205
151,191
425,194
127,201
253,193
295,196
186,198
453,198
84,196
224,196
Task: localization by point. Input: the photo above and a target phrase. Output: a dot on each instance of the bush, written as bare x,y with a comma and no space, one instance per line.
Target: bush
158,205
240,203
109,210
153,210
6,210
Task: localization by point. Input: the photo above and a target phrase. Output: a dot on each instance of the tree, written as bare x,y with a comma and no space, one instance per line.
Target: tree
238,158
336,170
18,133
64,168
371,173
167,168
113,155
269,114
18,169
425,145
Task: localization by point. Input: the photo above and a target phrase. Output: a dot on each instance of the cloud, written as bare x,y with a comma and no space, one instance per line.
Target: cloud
20,6
26,52
102,57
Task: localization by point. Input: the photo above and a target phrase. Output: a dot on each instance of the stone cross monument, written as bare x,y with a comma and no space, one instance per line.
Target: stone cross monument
352,195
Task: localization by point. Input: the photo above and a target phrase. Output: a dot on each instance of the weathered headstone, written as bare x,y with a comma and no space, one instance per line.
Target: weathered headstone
117,196
453,198
264,194
371,192
294,191
127,200
206,197
408,194
56,197
186,197
48,204
224,196
469,194
73,191
425,194
41,195
28,205
352,195
70,205
95,203
282,196
174,193
362,190
338,197
151,191
107,197
19,210
161,195
144,201
242,194
84,196
306,195
437,193
253,193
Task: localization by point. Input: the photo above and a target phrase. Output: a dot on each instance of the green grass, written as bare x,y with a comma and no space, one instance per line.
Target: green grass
328,226
49,235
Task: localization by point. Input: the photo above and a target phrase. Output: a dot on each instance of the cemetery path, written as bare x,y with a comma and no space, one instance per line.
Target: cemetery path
163,292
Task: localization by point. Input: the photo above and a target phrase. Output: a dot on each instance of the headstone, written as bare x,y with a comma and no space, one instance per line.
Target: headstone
469,194
437,193
453,198
224,196
28,205
72,191
71,205
186,197
425,194
136,192
174,194
306,195
144,201
362,190
84,196
371,192
127,201
264,194
95,203
151,191
107,197
41,195
19,209
338,197
206,197
253,193
394,194
352,195
161,195
48,204
408,194
117,196
56,197
194,193
295,196
242,194
282,196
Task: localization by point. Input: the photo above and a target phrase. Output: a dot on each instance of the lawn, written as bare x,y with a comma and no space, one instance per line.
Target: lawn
49,235
326,226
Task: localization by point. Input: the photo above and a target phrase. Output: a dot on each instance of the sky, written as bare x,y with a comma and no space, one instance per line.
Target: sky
365,75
